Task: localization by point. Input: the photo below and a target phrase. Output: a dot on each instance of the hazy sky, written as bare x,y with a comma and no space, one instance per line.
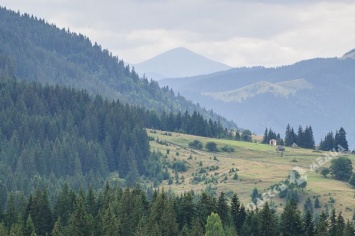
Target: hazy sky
235,32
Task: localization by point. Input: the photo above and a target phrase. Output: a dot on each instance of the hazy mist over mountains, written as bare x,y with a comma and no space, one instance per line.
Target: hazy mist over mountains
317,92
178,62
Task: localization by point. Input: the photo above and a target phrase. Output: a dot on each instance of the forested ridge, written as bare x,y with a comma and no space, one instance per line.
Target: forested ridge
52,134
39,51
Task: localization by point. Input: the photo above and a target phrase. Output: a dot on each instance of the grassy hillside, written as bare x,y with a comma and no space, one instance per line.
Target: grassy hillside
258,165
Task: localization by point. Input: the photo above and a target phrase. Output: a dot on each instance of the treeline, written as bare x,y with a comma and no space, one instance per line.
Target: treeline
193,124
304,137
269,135
58,132
50,134
335,142
117,211
36,50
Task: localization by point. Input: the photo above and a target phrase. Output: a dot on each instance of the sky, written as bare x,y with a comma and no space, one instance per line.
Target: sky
235,32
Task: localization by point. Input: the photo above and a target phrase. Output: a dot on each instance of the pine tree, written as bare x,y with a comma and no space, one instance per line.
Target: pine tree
10,213
333,224
268,222
235,213
222,209
110,224
349,229
196,229
29,228
214,225
341,144
308,206
57,228
309,229
78,224
322,224
291,223
265,137
340,224
317,203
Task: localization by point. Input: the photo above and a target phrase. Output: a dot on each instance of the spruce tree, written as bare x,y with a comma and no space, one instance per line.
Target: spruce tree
29,228
317,203
308,206
78,224
110,225
268,222
291,222
309,228
341,144
223,209
214,225
196,229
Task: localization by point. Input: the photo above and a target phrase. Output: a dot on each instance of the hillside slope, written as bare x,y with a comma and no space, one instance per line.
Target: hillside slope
39,51
253,96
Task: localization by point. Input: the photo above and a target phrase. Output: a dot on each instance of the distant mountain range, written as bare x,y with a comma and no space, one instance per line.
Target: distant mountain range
317,92
178,62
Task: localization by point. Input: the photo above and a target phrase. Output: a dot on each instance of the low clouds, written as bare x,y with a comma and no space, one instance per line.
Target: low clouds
237,33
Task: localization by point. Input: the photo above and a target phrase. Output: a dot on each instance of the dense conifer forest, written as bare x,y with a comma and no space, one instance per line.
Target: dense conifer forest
38,51
117,211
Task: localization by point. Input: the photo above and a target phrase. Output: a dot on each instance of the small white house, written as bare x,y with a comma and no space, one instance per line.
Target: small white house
273,142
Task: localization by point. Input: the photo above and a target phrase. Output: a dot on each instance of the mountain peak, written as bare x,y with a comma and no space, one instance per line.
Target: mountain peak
178,62
350,54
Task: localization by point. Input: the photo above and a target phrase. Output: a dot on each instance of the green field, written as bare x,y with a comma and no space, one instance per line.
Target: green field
258,165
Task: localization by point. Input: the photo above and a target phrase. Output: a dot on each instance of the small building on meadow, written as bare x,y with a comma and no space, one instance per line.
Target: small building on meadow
273,142
280,149
294,145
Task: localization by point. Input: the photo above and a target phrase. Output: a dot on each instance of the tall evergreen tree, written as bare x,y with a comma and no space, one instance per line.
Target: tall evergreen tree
341,144
268,222
223,209
291,222
309,228
214,225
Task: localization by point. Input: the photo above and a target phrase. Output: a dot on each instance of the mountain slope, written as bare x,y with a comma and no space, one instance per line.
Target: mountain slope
178,62
326,104
38,51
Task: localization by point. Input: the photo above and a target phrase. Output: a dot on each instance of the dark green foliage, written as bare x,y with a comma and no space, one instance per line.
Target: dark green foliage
227,149
118,211
268,221
255,195
291,222
222,209
341,168
269,134
335,143
211,147
179,166
196,144
35,50
304,138
340,142
308,206
309,228
317,203
246,136
325,171
290,136
328,144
